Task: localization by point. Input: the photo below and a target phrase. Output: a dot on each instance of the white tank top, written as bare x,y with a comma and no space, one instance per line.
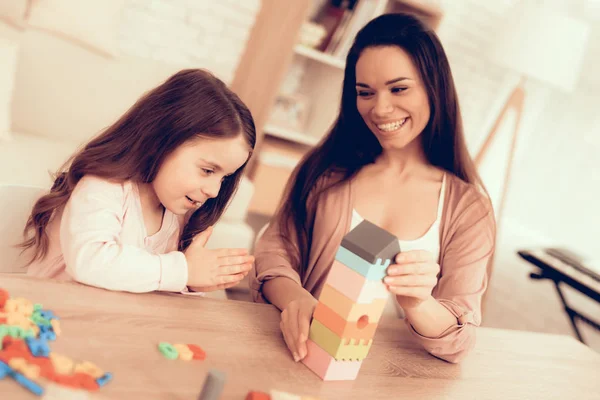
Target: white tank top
430,241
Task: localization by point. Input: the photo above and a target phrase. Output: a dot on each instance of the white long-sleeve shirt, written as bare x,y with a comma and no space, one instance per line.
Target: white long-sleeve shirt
100,239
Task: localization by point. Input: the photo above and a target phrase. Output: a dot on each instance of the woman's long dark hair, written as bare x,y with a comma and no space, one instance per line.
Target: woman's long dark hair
189,104
350,144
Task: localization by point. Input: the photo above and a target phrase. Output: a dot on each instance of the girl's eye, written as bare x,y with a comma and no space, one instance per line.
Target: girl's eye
398,90
362,93
208,171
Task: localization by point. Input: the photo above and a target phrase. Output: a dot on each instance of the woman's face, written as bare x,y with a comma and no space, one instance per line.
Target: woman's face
390,96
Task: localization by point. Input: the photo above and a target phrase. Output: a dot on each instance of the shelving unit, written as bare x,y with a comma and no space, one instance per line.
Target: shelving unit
319,56
290,135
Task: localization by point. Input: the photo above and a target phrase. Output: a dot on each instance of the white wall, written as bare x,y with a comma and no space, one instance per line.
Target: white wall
555,186
201,33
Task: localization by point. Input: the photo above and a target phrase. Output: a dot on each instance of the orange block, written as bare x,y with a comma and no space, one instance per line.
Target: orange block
4,295
360,329
258,396
327,367
349,310
198,353
354,285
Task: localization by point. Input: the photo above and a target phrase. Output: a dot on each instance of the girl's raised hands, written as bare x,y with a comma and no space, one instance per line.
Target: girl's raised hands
215,269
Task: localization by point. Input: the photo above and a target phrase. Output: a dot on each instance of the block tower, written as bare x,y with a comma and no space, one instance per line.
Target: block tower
351,303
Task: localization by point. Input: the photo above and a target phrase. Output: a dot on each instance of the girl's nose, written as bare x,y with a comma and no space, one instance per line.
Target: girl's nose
211,190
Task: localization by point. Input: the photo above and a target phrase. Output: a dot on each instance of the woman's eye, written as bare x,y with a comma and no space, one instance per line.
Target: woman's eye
363,93
208,171
398,89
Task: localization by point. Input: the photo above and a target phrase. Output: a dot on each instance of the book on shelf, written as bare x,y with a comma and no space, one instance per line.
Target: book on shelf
342,19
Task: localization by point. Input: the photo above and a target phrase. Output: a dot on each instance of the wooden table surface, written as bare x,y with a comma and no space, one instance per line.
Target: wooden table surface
119,332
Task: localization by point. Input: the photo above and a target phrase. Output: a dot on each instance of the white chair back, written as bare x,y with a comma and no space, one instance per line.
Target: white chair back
16,202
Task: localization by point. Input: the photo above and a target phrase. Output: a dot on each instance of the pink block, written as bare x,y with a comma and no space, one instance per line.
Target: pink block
355,286
327,367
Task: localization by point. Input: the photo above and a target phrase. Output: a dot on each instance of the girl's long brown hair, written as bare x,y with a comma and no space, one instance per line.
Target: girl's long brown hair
189,104
350,144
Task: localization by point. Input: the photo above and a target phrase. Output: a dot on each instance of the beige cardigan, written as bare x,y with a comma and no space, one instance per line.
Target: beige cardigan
467,242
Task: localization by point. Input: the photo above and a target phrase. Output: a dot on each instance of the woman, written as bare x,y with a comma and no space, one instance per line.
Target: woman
397,157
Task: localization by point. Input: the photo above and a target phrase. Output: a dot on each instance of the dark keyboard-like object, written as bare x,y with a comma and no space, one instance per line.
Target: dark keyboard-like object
572,259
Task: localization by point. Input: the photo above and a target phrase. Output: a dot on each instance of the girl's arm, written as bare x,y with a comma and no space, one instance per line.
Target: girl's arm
90,235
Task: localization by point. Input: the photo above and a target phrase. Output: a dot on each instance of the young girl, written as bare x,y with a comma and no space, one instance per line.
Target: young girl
396,156
134,208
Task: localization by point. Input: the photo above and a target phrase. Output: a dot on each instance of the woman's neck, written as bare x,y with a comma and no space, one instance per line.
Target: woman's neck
405,160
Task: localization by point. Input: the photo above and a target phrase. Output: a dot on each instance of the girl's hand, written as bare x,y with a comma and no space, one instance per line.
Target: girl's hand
215,269
412,278
295,324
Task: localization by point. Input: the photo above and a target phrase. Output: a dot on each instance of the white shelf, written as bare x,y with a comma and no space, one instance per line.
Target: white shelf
319,56
291,135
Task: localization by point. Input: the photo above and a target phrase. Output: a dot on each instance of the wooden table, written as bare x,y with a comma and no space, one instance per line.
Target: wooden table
120,332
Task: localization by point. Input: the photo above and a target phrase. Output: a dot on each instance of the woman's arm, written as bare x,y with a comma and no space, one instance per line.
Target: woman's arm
90,236
281,291
273,261
460,288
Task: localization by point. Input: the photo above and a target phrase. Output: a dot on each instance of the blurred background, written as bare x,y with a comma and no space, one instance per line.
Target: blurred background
526,73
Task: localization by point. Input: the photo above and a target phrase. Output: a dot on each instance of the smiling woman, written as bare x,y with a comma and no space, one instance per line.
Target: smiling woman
389,106
396,156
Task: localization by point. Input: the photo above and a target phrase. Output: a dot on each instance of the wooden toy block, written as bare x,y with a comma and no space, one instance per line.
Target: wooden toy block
199,354
104,379
27,383
89,368
213,385
18,305
38,347
372,271
340,348
5,370
184,352
4,296
354,285
77,380
15,318
62,364
359,329
168,350
277,395
349,310
30,371
371,243
253,395
328,368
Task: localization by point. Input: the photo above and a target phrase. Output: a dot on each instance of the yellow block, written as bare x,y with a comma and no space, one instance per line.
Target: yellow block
30,371
348,309
62,364
347,349
89,368
184,352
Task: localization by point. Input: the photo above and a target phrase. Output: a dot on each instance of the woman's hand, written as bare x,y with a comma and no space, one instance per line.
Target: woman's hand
295,324
215,269
412,278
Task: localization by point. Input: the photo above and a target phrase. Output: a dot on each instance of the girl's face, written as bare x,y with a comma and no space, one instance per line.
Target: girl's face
390,96
193,172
